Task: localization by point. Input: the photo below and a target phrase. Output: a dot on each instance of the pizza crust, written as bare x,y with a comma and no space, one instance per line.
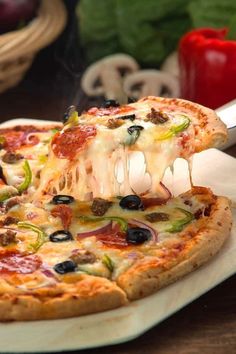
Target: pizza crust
146,277
90,295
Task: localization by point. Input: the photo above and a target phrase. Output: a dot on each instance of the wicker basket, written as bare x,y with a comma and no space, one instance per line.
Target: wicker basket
18,48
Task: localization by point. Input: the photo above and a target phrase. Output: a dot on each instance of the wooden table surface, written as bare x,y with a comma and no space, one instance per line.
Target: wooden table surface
208,325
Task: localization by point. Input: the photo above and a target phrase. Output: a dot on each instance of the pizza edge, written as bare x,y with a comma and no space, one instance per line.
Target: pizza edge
146,278
89,295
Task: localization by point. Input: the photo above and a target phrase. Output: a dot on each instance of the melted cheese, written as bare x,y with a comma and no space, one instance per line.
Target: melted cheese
102,168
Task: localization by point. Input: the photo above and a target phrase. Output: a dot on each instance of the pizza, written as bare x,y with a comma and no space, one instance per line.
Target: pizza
86,222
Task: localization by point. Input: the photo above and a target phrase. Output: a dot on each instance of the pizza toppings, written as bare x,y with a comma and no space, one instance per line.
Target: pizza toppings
17,263
65,267
41,235
137,235
83,257
62,199
131,202
11,157
175,129
178,225
100,206
61,236
64,212
157,117
110,103
27,179
107,261
156,217
9,220
134,132
7,237
67,144
128,116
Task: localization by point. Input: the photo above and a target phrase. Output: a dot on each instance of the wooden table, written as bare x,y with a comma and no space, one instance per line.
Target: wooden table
206,326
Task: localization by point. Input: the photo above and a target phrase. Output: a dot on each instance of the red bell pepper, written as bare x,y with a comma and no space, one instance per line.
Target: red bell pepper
208,67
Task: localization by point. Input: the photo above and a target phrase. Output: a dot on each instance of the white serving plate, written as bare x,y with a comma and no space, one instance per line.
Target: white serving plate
210,168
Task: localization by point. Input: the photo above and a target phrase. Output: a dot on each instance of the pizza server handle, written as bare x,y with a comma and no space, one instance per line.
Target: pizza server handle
227,114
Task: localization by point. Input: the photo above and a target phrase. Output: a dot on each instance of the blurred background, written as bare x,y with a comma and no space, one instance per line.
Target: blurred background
56,53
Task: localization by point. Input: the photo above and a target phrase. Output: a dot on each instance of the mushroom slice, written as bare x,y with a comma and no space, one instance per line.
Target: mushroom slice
171,65
105,77
151,83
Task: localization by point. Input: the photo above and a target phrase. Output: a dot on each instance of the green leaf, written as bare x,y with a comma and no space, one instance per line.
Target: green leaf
212,13
28,177
41,235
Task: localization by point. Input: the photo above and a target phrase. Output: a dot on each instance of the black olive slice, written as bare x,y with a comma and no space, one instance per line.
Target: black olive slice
62,199
110,103
138,235
131,100
65,267
60,236
67,114
131,202
134,128
128,116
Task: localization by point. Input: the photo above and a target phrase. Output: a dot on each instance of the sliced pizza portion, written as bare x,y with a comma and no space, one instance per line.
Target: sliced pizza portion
105,151
23,153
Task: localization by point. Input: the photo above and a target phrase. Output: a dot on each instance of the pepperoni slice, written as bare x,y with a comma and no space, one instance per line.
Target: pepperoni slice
67,144
64,212
17,263
16,137
94,111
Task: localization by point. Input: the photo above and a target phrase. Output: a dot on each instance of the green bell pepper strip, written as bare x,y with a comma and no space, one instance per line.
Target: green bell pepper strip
4,197
41,235
122,222
178,225
28,177
175,129
106,260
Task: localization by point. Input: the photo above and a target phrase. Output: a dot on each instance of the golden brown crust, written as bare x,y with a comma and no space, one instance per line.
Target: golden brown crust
175,260
210,130
90,295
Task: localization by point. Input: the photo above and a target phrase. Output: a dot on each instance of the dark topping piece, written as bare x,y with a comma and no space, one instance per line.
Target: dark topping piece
12,202
9,220
100,206
131,100
114,123
207,211
83,257
62,199
110,103
60,236
11,157
138,235
67,114
157,117
198,214
134,132
131,202
65,267
128,116
7,237
134,128
155,217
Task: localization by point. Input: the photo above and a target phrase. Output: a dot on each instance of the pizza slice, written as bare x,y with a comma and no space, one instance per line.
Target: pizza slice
23,153
97,155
